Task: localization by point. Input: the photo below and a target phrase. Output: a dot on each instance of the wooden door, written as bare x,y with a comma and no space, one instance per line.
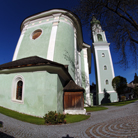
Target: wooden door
73,100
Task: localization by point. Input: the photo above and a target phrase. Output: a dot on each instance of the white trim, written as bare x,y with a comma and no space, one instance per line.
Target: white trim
102,45
51,46
14,86
87,89
75,50
39,24
107,92
18,45
80,77
111,63
66,111
97,66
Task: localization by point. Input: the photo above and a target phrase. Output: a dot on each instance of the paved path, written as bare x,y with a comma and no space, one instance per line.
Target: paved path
115,122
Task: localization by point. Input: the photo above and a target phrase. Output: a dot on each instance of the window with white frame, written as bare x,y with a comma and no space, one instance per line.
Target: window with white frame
103,55
36,34
18,89
106,82
105,67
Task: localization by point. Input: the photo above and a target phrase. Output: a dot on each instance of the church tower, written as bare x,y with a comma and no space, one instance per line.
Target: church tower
103,65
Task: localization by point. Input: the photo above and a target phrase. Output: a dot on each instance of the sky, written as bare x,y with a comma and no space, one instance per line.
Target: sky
13,12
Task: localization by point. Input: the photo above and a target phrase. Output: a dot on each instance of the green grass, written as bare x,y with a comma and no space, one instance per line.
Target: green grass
22,117
75,118
120,103
95,108
37,120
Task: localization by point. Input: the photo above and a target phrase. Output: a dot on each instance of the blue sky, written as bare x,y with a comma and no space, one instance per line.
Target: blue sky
13,12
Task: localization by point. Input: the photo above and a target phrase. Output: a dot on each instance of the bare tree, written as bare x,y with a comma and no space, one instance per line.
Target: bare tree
119,19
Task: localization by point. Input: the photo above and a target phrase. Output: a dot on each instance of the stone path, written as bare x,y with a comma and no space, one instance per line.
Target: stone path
115,122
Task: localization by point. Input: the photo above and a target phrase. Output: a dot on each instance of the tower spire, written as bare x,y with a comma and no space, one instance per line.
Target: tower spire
96,25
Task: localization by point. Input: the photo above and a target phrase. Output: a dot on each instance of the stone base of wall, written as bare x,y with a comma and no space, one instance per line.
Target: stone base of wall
75,111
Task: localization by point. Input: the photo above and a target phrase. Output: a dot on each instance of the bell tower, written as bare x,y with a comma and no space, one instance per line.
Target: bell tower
103,65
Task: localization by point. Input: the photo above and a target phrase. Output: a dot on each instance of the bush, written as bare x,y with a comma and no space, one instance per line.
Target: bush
54,118
123,98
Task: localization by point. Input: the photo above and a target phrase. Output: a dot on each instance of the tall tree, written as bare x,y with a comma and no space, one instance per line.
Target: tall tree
119,84
119,19
135,78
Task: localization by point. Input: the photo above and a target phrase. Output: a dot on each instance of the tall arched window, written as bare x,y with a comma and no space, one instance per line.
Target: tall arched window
19,90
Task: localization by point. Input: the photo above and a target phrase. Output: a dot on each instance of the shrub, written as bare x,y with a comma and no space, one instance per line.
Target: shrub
54,118
123,98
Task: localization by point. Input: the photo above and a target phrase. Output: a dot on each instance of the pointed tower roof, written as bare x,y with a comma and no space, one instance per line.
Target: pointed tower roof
72,86
95,21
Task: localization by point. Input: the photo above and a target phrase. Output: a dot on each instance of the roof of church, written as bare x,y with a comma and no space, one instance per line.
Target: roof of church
72,86
30,61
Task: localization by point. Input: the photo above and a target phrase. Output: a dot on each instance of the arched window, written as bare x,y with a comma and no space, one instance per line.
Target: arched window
19,90
99,36
103,55
107,82
105,67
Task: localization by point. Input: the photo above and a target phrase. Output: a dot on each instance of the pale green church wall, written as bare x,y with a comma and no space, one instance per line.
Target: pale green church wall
105,74
83,73
6,90
40,93
50,94
60,103
83,70
37,47
65,46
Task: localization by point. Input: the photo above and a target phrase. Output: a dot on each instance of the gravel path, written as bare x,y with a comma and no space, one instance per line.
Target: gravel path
115,122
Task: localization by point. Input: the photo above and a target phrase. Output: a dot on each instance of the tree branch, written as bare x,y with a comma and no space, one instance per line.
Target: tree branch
122,16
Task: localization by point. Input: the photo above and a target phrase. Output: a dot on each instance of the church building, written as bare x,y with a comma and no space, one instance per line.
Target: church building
51,66
49,54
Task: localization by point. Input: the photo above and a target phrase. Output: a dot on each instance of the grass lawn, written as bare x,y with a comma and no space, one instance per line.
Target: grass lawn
22,117
76,118
95,108
37,120
120,103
